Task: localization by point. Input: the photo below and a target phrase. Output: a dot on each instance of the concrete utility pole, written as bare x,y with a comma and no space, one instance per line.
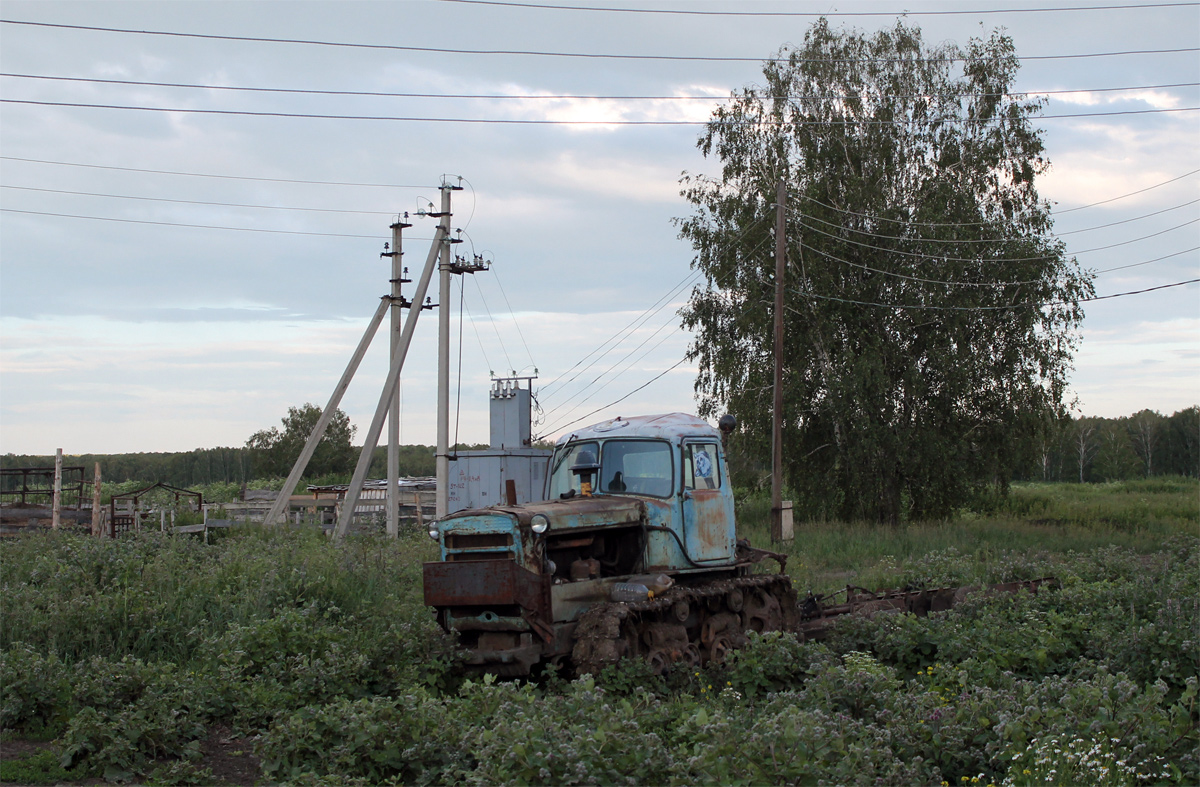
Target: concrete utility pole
446,267
389,388
443,397
777,413
392,497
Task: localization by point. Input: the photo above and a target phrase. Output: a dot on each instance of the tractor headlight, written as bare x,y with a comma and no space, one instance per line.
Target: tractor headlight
434,533
539,524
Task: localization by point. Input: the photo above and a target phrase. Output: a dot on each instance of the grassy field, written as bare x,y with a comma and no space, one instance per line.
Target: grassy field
1041,518
276,657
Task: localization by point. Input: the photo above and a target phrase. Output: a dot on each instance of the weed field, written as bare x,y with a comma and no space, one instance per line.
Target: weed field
273,657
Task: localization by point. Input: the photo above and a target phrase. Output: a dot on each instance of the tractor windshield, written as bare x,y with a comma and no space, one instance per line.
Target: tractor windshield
636,467
562,480
639,467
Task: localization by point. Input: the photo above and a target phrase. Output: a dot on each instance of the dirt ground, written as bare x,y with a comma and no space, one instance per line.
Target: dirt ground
231,760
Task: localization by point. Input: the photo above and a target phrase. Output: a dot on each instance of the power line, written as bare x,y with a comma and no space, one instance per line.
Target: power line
1029,304
942,258
995,284
907,222
657,376
478,338
976,224
191,226
644,385
543,122
608,371
636,323
1126,221
197,202
1130,194
517,325
1147,262
492,319
211,175
522,96
810,14
540,53
641,319
626,396
827,255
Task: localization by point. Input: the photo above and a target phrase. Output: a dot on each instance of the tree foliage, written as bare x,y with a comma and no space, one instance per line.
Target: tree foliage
275,451
930,316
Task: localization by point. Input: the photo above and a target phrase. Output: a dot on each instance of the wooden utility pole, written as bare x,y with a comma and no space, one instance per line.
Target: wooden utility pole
97,513
777,411
56,500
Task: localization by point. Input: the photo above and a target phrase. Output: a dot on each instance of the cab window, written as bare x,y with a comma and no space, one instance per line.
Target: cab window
700,467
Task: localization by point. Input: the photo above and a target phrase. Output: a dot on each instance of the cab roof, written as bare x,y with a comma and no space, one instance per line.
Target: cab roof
668,426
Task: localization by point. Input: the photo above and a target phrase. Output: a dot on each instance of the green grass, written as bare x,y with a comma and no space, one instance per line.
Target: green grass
38,768
1048,518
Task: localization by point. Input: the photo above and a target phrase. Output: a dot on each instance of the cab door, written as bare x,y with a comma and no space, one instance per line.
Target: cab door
708,524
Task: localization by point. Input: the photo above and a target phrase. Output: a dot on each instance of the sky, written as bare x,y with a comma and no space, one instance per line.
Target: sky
171,280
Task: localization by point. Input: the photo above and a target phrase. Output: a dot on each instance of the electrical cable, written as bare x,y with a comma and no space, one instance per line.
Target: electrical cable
607,373
639,320
810,14
539,53
913,239
918,278
199,202
941,258
652,380
495,329
1147,262
517,325
525,96
618,401
984,223
827,255
610,378
478,338
690,277
1126,221
545,122
211,175
1123,196
1030,304
193,226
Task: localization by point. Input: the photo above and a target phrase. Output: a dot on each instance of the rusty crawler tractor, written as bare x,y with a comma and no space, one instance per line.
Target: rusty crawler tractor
633,554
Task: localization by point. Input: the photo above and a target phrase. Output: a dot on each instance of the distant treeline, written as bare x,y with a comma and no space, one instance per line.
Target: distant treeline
1115,449
1085,449
211,465
1081,449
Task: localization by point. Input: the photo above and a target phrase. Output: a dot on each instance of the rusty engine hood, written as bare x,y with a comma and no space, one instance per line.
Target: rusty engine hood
572,513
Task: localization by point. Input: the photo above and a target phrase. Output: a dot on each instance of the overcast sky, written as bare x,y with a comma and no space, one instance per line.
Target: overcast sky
146,311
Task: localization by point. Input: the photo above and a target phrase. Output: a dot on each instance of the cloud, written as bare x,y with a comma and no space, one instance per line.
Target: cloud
1155,99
